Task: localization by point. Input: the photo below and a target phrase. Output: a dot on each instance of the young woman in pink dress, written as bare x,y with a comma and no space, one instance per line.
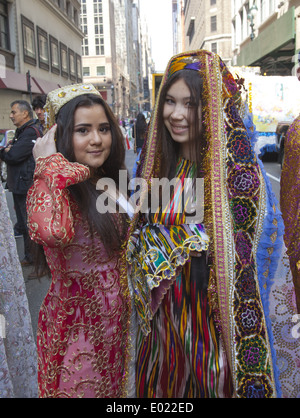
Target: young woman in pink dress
84,323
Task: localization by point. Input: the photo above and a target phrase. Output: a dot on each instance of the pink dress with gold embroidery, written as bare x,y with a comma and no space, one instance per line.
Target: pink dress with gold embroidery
82,330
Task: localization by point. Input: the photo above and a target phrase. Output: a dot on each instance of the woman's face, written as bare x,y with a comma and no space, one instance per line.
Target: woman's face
178,115
91,136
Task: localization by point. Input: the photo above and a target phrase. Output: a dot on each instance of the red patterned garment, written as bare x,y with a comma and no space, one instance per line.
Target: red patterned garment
83,321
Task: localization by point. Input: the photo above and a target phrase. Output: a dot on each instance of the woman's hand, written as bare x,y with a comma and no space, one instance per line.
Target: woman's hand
45,146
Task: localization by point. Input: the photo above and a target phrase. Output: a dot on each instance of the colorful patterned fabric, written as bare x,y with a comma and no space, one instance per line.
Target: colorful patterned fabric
244,226
163,247
83,328
290,200
182,355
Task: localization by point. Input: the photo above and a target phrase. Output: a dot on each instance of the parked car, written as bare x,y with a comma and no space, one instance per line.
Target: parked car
281,131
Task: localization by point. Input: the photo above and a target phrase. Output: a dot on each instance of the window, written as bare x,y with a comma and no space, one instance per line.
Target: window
54,55
98,26
191,29
64,60
61,4
69,9
83,7
84,28
72,64
4,35
97,6
86,71
99,42
214,47
43,50
78,68
213,2
85,47
76,19
213,23
29,50
84,25
101,70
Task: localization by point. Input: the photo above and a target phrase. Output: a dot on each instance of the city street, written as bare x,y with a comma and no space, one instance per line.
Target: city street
273,170
37,288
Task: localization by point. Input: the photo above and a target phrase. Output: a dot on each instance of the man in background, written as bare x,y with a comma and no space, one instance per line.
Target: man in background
20,165
38,104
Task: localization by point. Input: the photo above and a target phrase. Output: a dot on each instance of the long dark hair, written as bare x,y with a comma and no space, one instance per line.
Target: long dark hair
111,228
64,135
170,148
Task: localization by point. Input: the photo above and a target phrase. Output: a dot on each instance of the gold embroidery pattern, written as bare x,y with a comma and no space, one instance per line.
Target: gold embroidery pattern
83,323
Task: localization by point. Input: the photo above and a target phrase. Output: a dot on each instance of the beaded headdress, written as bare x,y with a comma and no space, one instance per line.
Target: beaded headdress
56,99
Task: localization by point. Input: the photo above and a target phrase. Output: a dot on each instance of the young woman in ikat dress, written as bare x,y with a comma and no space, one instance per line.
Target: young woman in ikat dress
214,296
84,323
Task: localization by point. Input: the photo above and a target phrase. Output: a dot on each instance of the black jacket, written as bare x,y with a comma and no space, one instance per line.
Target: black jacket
19,159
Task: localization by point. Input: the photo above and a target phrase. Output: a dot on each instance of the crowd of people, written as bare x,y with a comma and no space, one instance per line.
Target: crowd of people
152,300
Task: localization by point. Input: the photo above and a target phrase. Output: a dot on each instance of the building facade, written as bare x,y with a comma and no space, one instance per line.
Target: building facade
207,25
268,38
40,49
141,101
178,26
259,33
113,53
98,48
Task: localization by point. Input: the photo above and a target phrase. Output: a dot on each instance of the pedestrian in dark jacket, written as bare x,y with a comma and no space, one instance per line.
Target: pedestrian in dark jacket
139,131
20,165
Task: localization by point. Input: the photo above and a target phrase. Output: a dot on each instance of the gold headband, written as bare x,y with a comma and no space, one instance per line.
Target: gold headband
56,99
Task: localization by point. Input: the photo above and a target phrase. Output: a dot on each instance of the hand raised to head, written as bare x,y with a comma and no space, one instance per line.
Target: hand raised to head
45,146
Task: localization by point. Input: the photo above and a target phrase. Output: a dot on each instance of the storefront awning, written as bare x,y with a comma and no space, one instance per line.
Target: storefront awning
16,81
45,86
